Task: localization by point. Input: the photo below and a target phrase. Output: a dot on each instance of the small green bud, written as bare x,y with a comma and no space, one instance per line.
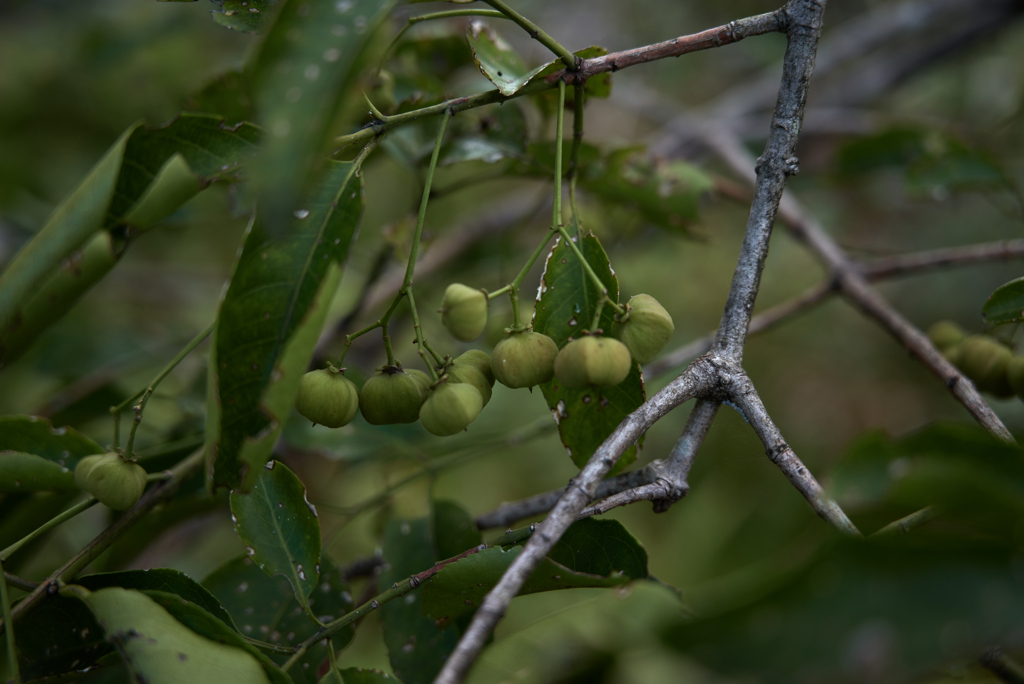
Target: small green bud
984,361
464,311
458,373
479,360
647,328
524,359
111,479
946,335
593,361
327,397
450,408
391,396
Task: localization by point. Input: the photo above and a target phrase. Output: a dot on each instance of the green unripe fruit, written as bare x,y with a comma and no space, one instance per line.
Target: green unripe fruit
593,361
1015,375
422,379
450,408
391,396
327,397
647,329
524,359
469,375
479,360
464,311
984,361
946,335
114,481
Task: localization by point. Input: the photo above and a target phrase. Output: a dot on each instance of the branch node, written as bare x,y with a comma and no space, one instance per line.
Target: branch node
791,166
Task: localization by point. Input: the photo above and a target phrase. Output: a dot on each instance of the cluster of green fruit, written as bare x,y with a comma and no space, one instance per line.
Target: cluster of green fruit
522,359
990,364
116,482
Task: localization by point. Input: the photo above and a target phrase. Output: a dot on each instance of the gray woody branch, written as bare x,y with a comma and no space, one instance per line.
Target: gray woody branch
710,376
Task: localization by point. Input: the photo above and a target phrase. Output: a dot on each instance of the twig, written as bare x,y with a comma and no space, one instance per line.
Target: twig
732,32
14,677
698,378
759,323
19,582
855,287
907,523
1002,666
904,264
782,455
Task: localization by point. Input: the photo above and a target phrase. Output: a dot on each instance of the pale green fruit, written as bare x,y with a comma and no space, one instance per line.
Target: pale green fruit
464,311
946,335
422,379
984,361
114,481
1015,375
458,373
479,360
524,359
593,361
647,329
391,396
327,397
450,408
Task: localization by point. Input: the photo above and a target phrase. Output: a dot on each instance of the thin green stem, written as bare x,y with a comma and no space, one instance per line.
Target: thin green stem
590,271
596,322
377,114
147,392
420,343
497,293
19,582
414,248
351,337
12,654
48,525
437,357
536,33
334,662
556,210
907,523
574,155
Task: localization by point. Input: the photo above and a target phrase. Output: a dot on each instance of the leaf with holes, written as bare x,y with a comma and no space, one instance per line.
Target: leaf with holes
592,553
279,528
1006,304
497,60
567,304
46,652
270,319
265,608
247,16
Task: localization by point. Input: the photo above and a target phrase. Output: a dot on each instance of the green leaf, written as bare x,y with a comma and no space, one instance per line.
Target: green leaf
460,586
1006,304
567,303
417,647
227,96
161,650
20,472
666,193
61,635
280,529
303,68
865,611
974,479
205,625
247,16
265,608
65,446
454,529
498,133
269,321
143,178
497,60
600,547
359,675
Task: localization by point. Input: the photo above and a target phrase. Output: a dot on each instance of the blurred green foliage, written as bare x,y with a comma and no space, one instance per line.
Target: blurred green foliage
765,591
